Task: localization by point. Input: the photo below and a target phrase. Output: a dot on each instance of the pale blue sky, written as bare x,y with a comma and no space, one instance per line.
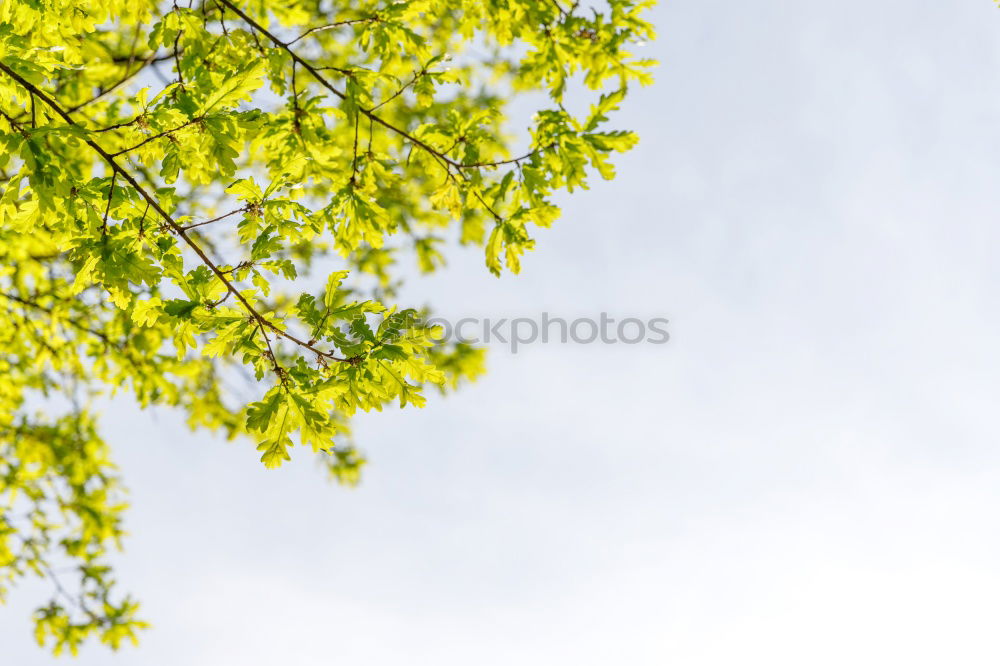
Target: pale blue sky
809,473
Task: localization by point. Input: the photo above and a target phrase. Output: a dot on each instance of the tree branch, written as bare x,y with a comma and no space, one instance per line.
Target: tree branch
216,219
330,26
171,223
158,136
367,112
41,308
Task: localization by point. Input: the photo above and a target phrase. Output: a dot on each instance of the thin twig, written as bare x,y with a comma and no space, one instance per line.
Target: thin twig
330,26
340,94
111,193
215,219
158,136
399,92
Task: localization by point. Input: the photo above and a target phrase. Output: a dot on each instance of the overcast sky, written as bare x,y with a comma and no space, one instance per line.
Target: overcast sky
808,473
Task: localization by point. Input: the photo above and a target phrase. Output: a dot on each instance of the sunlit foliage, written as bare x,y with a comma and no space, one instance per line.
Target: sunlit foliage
200,194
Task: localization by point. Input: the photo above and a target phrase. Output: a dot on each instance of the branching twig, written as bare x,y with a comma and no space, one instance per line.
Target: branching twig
330,26
170,222
111,193
158,136
437,154
399,92
215,219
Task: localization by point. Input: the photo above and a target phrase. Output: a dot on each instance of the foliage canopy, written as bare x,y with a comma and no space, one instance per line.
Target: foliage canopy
176,180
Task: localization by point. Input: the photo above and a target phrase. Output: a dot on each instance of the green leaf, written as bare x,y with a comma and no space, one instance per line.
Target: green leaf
332,293
237,87
261,414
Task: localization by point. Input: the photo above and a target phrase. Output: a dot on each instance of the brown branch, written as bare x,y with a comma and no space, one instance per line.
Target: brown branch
111,194
158,136
177,57
440,156
516,160
149,59
330,26
215,219
556,4
340,94
354,160
399,92
171,223
117,125
296,111
278,370
14,124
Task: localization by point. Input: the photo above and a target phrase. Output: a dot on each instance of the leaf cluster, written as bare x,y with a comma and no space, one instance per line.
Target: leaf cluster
210,205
